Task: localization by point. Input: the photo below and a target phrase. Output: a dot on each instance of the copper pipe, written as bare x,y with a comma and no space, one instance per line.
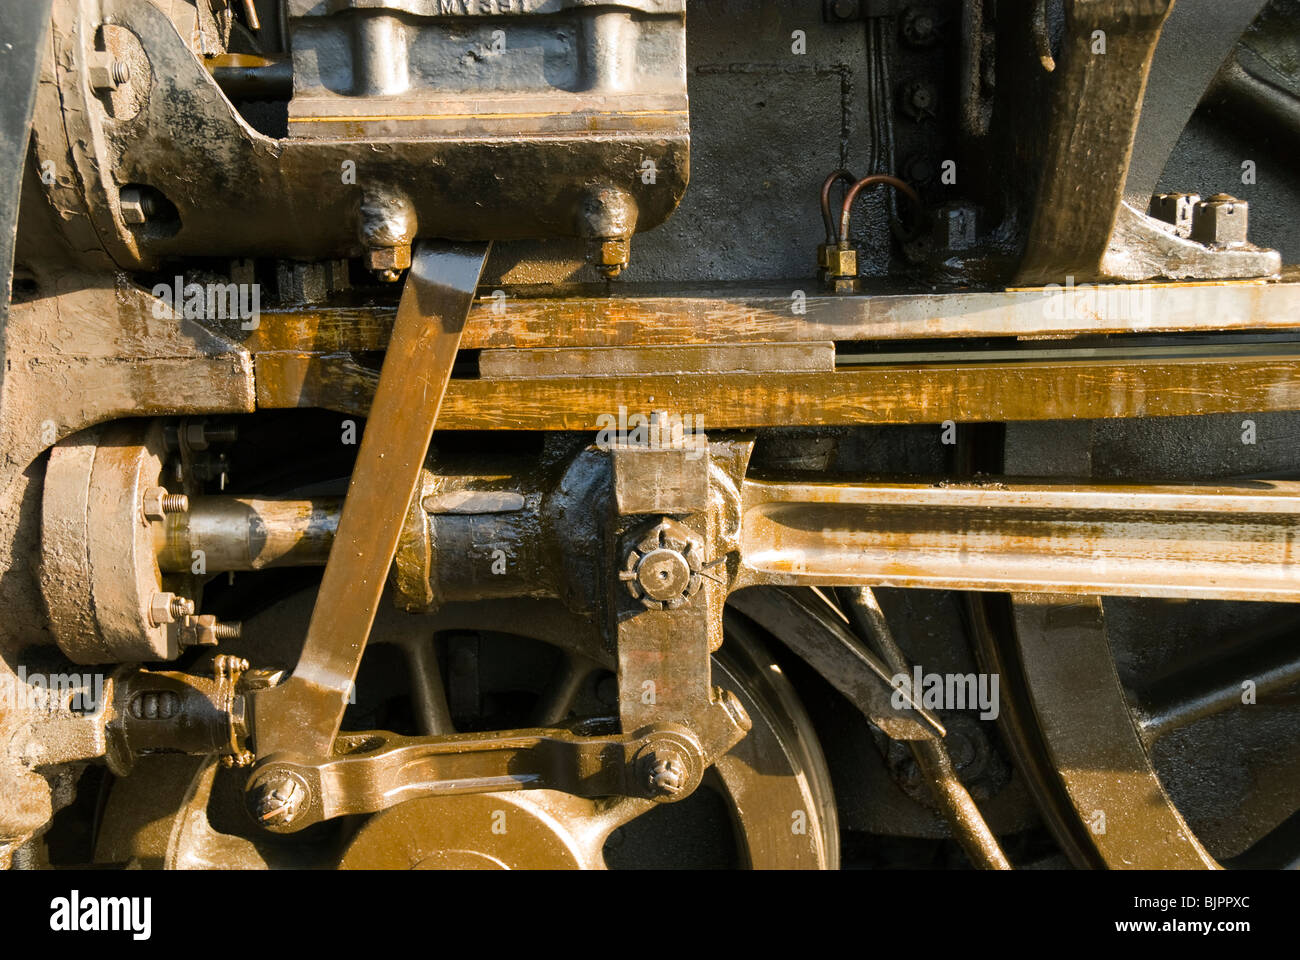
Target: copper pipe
840,174
871,181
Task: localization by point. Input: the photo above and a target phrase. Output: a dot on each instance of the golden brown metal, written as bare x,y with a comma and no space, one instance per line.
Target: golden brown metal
970,392
1156,541
303,713
1091,741
633,315
246,533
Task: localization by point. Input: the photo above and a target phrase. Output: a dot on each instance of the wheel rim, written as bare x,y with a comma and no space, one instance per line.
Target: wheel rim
773,786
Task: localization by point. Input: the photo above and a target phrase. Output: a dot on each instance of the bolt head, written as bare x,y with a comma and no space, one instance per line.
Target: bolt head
278,800
383,259
610,255
135,206
160,608
152,503
919,27
844,9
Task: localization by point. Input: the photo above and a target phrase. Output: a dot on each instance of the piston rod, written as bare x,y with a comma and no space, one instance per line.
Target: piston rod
1216,542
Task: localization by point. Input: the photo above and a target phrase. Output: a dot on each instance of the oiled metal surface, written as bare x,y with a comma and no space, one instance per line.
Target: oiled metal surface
304,713
1091,740
1098,99
687,358
246,533
1162,541
877,394
571,315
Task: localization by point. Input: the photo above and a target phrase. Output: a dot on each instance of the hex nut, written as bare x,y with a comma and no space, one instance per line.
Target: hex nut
1221,220
610,255
136,205
668,769
841,262
1176,209
956,227
160,608
106,72
381,259
157,503
277,800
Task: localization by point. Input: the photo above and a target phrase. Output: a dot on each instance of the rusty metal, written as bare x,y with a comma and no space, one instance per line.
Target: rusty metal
370,771
133,713
621,103
303,714
101,577
509,364
653,315
1119,540
669,620
583,613
1260,378
1106,236
1162,541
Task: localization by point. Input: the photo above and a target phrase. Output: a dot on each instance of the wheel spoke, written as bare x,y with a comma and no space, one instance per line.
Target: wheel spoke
557,700
1207,689
428,695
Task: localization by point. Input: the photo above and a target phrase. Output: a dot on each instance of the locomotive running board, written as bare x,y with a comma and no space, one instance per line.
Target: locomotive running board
303,714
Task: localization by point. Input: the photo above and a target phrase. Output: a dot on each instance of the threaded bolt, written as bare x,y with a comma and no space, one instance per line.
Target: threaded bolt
108,73
158,503
227,631
164,607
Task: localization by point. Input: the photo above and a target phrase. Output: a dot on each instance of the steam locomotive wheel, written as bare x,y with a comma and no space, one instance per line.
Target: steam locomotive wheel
765,805
1088,750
